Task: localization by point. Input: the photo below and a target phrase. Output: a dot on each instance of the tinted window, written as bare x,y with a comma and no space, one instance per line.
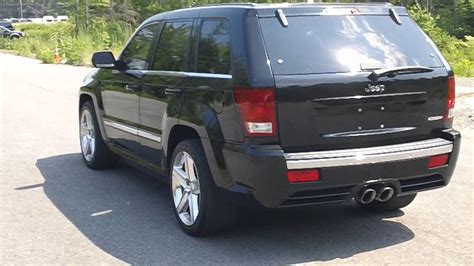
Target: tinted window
330,44
173,47
135,54
214,47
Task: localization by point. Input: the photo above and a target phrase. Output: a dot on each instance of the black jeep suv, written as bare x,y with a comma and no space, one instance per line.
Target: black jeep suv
277,105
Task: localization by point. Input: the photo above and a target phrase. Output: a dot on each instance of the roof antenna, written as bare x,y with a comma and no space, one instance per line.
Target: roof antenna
281,17
394,16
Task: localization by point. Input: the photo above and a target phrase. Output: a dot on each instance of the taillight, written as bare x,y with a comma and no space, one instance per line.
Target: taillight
299,176
438,161
257,111
451,98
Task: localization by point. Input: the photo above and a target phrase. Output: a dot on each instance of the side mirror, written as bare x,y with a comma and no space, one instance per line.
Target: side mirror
104,60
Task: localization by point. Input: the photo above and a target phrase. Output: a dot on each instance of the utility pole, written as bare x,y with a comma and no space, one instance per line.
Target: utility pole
21,9
3,14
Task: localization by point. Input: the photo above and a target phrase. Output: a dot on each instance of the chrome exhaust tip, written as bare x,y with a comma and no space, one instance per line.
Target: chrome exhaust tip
367,196
385,194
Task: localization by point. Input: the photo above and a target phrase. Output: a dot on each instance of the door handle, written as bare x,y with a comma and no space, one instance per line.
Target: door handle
173,92
133,87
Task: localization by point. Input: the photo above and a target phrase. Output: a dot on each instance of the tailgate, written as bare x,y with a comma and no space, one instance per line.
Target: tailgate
337,112
325,98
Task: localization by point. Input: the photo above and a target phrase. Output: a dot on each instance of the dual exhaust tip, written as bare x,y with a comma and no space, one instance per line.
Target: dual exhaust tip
368,195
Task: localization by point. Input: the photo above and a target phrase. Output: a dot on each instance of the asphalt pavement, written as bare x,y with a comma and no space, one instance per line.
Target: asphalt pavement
55,210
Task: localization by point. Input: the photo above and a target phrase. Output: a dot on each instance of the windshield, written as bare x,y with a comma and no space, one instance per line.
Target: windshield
335,44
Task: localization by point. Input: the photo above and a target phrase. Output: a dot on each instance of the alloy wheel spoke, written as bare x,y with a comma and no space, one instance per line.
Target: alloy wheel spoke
189,166
88,146
88,121
92,145
180,176
85,144
193,207
83,128
182,202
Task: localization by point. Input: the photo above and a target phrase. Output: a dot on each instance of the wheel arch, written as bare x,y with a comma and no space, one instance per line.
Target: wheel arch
204,126
177,134
86,96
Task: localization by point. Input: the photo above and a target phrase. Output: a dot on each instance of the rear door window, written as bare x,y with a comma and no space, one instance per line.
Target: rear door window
214,47
335,44
173,46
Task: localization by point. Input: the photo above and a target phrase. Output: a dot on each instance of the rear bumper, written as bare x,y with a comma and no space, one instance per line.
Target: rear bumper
261,171
371,155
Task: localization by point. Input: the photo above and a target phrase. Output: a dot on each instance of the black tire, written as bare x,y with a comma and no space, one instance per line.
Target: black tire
14,37
102,157
216,214
392,205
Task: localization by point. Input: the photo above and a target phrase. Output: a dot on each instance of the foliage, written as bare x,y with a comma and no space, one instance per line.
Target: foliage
42,41
459,53
107,24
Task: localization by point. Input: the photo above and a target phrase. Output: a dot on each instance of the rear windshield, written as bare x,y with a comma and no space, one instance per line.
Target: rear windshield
335,44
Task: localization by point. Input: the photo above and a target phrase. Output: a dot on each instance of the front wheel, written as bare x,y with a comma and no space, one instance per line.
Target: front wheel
95,152
393,204
199,208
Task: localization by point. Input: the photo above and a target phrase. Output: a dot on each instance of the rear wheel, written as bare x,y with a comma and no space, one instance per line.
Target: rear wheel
199,208
95,152
393,204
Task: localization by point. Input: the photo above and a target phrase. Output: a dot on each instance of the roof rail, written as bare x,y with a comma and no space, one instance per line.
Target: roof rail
230,4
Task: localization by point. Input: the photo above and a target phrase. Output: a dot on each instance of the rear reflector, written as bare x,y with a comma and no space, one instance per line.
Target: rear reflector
451,99
299,176
438,161
257,111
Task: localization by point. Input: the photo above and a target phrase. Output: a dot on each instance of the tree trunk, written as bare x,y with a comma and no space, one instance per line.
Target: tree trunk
87,13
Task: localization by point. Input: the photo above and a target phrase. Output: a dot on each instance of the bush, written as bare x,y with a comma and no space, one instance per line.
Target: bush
459,53
42,40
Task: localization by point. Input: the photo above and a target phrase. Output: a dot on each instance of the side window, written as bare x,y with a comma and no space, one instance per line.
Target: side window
214,47
173,47
135,54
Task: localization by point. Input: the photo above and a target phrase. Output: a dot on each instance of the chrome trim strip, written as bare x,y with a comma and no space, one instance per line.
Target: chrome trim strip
185,74
388,153
368,132
149,135
104,65
360,97
435,118
120,126
133,130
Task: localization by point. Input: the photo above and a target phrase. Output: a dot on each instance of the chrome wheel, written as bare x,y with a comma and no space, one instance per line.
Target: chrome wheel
185,188
87,135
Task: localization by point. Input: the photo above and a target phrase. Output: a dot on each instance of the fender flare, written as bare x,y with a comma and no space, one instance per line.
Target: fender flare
207,126
98,111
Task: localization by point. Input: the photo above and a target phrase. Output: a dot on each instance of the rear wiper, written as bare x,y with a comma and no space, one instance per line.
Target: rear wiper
392,72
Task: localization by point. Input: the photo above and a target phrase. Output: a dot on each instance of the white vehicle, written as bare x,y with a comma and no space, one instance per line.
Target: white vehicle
48,19
62,18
